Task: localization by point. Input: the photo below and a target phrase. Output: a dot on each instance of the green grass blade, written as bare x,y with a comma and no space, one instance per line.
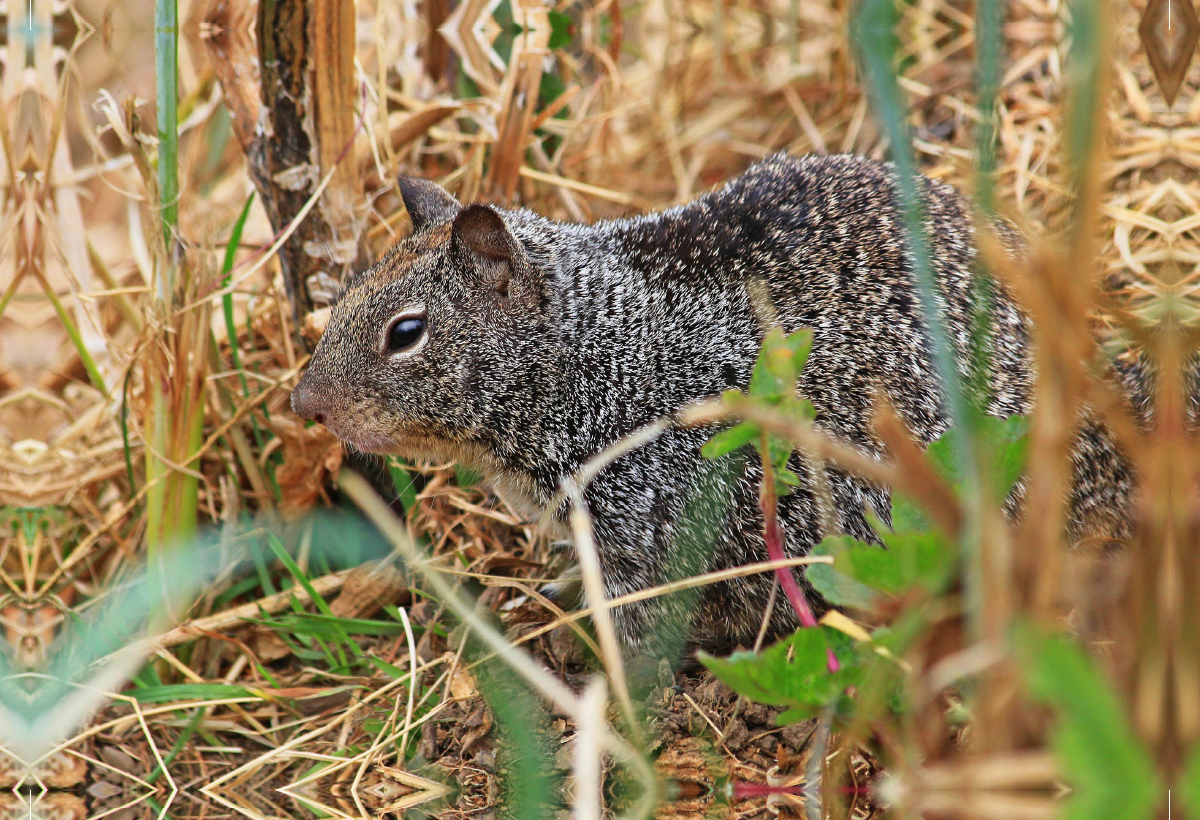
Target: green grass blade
166,64
404,480
877,43
989,45
123,420
177,747
235,239
1085,83
177,692
875,36
302,578
64,316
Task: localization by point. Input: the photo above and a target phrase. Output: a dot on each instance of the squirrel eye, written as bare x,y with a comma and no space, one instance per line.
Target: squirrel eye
405,333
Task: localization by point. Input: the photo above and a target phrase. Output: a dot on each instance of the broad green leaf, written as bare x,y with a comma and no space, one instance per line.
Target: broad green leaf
834,585
798,345
561,29
779,363
727,441
763,381
786,477
913,559
801,410
876,568
1011,443
907,517
1004,441
792,673
1112,774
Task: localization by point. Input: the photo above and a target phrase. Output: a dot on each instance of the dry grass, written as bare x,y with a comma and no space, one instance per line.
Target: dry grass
650,105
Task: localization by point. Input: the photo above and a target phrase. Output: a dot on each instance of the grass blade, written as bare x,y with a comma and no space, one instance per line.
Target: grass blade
875,36
166,59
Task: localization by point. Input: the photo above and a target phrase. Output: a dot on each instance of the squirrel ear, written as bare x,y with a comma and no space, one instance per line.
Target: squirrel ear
426,202
481,231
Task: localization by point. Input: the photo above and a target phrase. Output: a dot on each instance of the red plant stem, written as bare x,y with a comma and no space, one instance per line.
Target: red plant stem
773,536
744,791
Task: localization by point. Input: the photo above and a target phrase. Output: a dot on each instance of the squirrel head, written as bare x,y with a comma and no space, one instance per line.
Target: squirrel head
425,348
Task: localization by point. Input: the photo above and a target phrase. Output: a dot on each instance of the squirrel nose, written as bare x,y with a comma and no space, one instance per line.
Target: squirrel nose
307,404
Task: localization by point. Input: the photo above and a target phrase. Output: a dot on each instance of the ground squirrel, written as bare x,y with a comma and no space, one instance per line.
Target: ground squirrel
524,347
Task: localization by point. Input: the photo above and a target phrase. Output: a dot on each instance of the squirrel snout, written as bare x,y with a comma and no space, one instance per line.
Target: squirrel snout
307,404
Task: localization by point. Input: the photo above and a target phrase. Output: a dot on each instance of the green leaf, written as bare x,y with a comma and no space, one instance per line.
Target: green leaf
779,363
727,441
913,559
392,671
834,585
907,517
792,673
1003,440
404,480
1010,438
798,346
1112,773
922,559
801,410
465,476
773,381
1190,783
562,29
763,382
785,476
875,568
169,693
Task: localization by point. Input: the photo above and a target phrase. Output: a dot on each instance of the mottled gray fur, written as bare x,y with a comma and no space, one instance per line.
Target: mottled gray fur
545,343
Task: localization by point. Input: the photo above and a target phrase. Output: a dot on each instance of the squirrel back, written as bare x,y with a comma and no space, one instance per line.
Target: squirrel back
525,346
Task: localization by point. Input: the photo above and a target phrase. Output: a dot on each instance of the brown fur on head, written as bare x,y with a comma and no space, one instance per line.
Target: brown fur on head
465,281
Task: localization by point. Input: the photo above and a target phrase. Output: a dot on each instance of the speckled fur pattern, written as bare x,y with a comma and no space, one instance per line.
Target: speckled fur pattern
548,342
